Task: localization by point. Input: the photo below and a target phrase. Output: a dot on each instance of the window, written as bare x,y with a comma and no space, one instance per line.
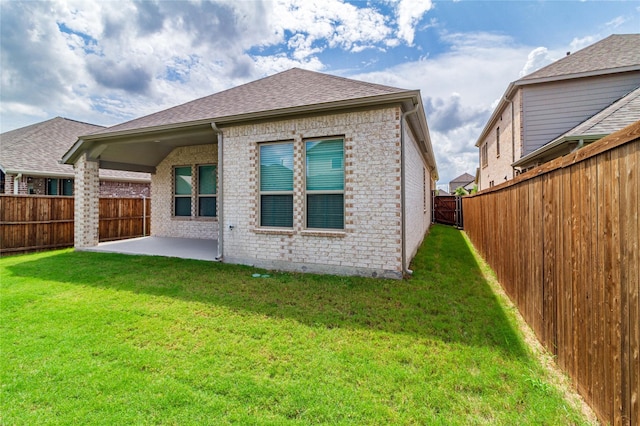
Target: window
276,185
59,186
52,186
484,155
325,184
67,187
182,191
207,191
497,141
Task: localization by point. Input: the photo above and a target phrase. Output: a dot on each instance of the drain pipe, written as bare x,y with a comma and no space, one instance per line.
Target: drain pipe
220,193
16,183
405,270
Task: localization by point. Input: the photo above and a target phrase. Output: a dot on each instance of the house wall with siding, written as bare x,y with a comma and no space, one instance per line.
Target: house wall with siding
499,165
369,245
551,109
163,223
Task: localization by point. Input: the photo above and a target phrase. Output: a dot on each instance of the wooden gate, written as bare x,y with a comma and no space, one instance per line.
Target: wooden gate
447,209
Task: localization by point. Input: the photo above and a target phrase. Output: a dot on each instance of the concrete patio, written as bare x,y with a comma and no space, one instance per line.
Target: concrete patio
186,248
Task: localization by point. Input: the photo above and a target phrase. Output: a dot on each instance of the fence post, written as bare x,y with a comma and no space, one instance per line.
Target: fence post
144,216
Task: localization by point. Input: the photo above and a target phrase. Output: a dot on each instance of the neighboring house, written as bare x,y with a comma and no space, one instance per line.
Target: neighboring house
540,115
298,171
29,162
617,116
465,181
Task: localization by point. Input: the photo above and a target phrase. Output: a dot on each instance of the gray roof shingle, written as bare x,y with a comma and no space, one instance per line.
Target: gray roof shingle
617,51
38,147
285,90
463,178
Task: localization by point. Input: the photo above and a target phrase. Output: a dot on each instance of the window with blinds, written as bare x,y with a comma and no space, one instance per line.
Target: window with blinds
325,184
182,191
207,191
276,184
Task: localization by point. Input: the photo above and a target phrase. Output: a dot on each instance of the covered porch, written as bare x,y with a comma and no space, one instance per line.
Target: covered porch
185,248
178,230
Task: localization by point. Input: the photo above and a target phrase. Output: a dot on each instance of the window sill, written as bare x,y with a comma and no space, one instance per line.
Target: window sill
273,231
194,218
320,233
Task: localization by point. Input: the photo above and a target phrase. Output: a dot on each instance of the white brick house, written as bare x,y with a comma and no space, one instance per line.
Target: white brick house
299,171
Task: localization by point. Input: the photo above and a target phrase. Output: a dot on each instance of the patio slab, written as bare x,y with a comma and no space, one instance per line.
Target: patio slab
186,248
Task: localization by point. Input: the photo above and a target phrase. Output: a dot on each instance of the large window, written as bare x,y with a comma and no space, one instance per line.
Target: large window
325,184
207,191
59,186
189,192
276,185
182,191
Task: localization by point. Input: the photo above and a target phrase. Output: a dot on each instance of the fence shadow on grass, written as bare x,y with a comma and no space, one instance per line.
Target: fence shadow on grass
447,298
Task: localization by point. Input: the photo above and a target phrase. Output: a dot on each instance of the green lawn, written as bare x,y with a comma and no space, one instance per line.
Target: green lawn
89,338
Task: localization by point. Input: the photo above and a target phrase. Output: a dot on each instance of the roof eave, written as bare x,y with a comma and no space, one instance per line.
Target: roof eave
525,82
506,98
556,143
72,155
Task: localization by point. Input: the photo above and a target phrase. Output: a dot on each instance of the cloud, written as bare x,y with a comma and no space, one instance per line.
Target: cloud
446,115
459,89
536,59
409,13
128,77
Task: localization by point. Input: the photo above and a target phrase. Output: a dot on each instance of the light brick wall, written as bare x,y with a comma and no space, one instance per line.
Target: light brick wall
499,165
163,223
369,245
86,205
417,197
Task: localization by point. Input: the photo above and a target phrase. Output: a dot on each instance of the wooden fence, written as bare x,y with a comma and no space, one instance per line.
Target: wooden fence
122,218
31,223
563,240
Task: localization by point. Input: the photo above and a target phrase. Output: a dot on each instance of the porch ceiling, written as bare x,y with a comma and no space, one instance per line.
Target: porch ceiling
143,151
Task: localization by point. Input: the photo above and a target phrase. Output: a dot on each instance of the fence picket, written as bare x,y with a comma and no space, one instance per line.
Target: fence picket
31,223
574,268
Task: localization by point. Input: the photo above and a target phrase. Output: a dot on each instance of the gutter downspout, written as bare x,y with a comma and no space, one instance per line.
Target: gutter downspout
217,131
405,270
16,183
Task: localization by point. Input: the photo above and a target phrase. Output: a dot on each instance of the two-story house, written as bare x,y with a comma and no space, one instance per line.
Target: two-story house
541,109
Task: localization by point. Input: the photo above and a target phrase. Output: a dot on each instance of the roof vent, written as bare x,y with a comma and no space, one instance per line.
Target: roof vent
568,53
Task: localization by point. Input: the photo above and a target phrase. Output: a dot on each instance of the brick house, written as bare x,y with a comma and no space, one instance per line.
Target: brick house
298,171
543,115
465,181
29,162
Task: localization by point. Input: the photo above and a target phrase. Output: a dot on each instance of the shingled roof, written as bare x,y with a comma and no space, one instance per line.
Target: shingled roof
37,148
285,91
616,52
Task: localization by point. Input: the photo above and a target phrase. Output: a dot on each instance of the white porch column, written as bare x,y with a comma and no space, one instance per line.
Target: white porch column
87,196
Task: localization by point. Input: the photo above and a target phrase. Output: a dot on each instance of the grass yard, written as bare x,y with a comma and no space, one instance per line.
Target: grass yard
94,338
